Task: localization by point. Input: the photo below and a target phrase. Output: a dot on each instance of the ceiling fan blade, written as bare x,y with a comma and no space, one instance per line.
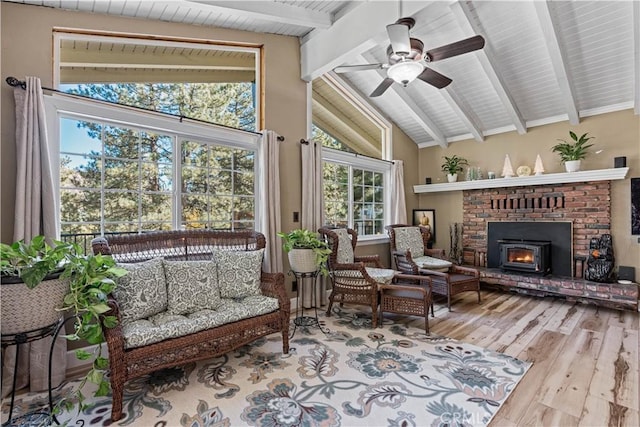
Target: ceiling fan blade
454,49
434,78
399,37
349,68
382,87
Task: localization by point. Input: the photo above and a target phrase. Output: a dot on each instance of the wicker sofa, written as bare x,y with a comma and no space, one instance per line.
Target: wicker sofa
155,333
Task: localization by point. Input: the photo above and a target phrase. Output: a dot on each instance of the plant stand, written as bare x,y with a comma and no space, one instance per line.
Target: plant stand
17,339
302,320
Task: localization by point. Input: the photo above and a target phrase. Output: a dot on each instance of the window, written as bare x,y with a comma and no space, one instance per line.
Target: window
356,144
354,191
131,170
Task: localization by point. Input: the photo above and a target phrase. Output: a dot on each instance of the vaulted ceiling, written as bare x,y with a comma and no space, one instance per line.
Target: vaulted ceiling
543,62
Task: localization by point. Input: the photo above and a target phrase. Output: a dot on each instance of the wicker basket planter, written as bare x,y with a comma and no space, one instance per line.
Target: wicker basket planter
25,309
302,260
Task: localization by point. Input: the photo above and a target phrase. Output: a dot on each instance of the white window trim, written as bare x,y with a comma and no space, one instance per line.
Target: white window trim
69,106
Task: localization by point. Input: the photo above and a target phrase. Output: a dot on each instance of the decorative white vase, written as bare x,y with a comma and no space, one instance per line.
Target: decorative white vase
452,177
302,260
572,165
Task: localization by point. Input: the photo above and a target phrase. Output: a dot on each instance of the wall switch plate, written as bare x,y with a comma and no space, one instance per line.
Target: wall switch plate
296,216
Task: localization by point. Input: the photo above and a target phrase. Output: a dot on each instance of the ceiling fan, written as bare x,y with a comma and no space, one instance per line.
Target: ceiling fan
407,61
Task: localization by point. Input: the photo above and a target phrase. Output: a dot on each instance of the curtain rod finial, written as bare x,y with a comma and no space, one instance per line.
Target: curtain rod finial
12,81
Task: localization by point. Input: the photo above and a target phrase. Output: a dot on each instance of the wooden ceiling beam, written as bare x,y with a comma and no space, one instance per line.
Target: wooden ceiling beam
487,58
268,11
549,26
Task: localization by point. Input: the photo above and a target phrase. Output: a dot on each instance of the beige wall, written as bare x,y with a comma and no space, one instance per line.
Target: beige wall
617,134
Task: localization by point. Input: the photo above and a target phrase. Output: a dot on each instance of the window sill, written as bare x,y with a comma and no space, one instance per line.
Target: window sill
372,240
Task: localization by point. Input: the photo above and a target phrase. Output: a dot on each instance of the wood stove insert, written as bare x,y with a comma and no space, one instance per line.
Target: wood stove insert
525,255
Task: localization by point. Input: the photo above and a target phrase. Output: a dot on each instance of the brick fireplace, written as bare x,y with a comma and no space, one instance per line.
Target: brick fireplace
586,205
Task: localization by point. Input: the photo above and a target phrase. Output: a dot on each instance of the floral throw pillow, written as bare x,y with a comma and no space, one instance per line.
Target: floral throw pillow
345,250
143,291
409,238
192,286
239,272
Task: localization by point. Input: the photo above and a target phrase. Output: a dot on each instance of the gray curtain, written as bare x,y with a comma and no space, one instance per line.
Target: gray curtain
398,203
312,206
35,213
270,196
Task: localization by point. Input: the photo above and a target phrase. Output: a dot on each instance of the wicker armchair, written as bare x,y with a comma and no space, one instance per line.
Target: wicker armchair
354,279
409,250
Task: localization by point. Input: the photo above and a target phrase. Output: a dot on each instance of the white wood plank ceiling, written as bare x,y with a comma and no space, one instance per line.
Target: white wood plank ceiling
543,62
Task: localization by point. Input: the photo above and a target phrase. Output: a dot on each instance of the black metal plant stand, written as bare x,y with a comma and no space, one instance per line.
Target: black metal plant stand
301,319
37,417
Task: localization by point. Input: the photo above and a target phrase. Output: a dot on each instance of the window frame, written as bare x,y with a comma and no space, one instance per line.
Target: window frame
72,107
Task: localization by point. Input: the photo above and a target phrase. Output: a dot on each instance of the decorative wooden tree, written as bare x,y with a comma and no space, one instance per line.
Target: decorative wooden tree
507,169
538,168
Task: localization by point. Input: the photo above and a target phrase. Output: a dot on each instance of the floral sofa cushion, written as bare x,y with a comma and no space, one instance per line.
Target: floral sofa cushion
143,291
166,325
380,275
345,250
409,238
239,272
191,286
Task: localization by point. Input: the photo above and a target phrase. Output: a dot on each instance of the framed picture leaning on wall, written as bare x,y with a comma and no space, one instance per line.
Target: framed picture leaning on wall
426,218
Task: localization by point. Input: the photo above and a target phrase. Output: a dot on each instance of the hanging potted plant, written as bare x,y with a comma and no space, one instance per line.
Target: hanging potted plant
571,153
452,165
40,281
307,252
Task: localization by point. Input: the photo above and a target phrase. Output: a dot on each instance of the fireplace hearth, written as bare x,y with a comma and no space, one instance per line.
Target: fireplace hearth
525,256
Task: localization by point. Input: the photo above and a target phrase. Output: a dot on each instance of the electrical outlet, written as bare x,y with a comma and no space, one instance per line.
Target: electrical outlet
296,216
294,286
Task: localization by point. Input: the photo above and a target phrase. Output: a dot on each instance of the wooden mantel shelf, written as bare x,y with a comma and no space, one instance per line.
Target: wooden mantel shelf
518,181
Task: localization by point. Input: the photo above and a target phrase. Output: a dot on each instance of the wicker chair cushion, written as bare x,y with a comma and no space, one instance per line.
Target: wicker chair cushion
166,325
143,291
380,275
344,255
191,286
239,272
409,238
432,263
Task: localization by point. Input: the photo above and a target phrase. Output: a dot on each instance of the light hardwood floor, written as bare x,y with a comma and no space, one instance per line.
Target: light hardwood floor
585,358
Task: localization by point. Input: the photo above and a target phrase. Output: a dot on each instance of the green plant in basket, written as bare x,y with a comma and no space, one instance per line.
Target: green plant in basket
306,239
88,279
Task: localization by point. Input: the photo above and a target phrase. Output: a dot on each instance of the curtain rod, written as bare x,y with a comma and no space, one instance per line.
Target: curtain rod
12,81
306,142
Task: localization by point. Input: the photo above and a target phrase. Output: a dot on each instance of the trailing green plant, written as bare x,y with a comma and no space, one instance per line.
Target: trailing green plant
452,165
576,150
91,280
32,261
306,239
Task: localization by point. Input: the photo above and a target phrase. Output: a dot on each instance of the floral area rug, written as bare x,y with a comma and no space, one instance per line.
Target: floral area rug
351,375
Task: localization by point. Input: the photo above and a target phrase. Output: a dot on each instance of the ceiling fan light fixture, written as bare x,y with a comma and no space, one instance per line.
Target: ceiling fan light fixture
405,72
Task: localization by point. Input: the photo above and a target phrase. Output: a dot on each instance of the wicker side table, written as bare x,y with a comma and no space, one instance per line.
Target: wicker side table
410,295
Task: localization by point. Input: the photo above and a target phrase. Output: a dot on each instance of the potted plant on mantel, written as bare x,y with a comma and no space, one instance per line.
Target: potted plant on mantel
571,153
306,251
40,281
452,165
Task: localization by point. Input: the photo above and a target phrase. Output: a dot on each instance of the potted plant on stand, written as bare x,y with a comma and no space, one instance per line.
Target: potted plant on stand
571,153
452,165
306,251
40,281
